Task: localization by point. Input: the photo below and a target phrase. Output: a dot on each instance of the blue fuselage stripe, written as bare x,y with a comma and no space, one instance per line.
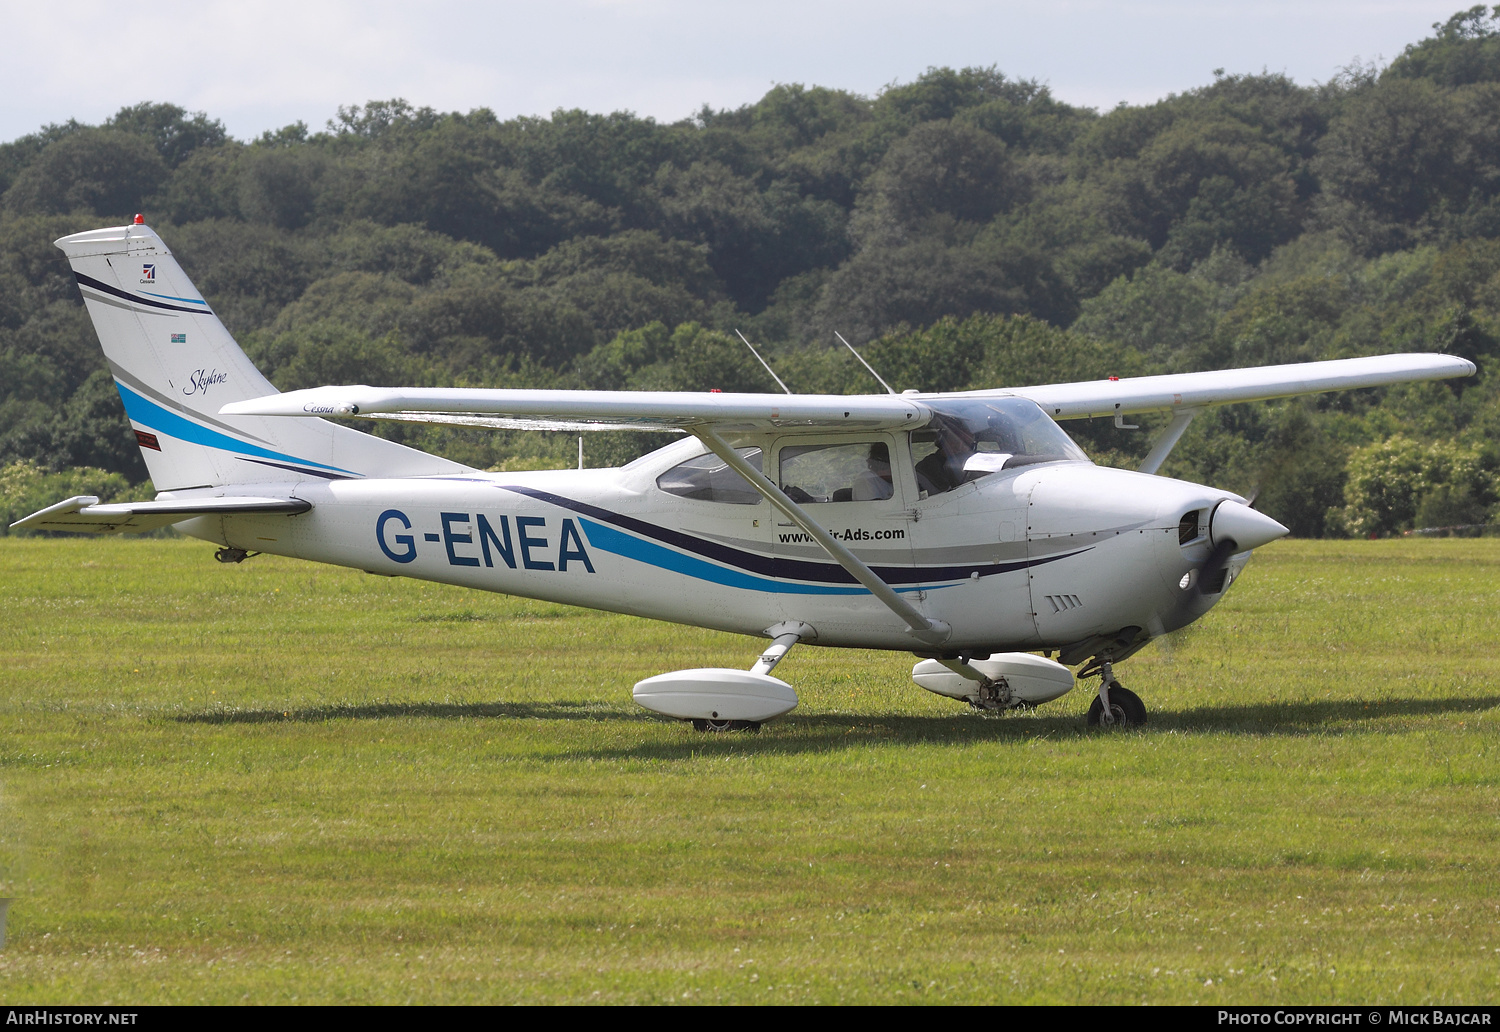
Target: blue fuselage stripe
152,415
617,542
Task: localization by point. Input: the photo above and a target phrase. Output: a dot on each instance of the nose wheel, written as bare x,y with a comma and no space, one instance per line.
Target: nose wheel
1125,706
1115,705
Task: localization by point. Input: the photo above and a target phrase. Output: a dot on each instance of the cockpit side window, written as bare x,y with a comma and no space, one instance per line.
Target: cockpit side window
850,472
708,478
972,438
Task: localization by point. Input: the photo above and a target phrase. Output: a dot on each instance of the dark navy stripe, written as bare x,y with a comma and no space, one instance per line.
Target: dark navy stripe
771,566
607,539
89,281
297,469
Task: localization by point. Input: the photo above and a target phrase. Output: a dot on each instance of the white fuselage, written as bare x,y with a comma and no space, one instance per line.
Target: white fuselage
1039,557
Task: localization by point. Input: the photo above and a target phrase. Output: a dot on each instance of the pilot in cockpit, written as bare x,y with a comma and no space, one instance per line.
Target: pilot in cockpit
875,482
942,470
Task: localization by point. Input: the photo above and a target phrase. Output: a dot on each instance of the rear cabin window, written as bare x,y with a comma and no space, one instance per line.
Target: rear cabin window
837,472
708,478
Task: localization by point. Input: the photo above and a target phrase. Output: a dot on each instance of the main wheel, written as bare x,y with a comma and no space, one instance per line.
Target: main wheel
726,725
1124,704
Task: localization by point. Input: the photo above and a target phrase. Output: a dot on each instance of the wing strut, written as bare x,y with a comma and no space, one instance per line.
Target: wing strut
1168,440
931,631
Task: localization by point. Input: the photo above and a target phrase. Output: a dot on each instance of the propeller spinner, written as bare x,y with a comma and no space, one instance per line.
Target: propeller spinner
1233,528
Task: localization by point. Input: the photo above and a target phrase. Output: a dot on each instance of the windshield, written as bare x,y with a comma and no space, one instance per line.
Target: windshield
971,438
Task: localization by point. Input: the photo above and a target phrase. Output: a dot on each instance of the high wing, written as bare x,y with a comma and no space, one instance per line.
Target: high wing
83,514
666,410
1181,391
593,410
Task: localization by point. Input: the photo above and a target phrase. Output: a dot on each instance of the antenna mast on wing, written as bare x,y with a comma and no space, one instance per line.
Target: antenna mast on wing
862,362
763,362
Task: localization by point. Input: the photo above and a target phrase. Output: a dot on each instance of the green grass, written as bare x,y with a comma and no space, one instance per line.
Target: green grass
284,782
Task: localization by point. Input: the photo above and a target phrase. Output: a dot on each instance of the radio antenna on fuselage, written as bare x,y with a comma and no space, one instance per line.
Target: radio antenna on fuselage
763,362
862,362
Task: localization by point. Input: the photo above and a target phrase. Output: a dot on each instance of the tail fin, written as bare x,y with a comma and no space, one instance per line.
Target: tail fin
176,365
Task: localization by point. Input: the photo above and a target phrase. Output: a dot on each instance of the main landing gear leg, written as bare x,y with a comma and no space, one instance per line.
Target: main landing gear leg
776,653
791,633
1116,705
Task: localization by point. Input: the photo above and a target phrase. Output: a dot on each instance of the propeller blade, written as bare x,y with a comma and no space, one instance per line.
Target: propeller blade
1211,573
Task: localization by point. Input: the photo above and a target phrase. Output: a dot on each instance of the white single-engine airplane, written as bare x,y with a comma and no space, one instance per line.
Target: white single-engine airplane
964,527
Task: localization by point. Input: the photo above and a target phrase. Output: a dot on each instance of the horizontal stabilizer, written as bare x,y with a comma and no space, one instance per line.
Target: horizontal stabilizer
84,515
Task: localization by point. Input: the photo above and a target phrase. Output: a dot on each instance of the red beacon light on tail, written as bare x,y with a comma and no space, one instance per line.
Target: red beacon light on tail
140,220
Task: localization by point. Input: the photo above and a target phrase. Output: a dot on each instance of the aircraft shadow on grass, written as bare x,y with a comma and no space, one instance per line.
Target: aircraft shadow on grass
555,710
817,732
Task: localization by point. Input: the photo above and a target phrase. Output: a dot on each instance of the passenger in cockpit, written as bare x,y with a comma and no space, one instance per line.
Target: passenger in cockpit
875,482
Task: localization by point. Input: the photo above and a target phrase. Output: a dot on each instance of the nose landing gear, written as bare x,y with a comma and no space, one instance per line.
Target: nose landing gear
1115,705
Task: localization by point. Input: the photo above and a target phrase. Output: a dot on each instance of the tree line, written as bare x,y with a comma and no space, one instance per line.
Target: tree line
967,229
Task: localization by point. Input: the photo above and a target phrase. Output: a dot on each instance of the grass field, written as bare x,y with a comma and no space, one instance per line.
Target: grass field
284,782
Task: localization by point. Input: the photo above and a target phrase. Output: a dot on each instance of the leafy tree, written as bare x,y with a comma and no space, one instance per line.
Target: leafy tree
1393,481
943,168
1035,122
171,130
688,358
1290,322
1464,50
370,303
247,271
379,118
89,430
941,93
1396,154
205,186
410,253
755,238
279,186
18,154
103,171
331,352
1159,312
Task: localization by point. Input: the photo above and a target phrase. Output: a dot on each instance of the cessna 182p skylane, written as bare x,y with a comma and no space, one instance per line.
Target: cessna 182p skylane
964,527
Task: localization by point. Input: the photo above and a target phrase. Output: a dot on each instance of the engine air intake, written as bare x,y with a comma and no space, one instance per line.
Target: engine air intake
1187,527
